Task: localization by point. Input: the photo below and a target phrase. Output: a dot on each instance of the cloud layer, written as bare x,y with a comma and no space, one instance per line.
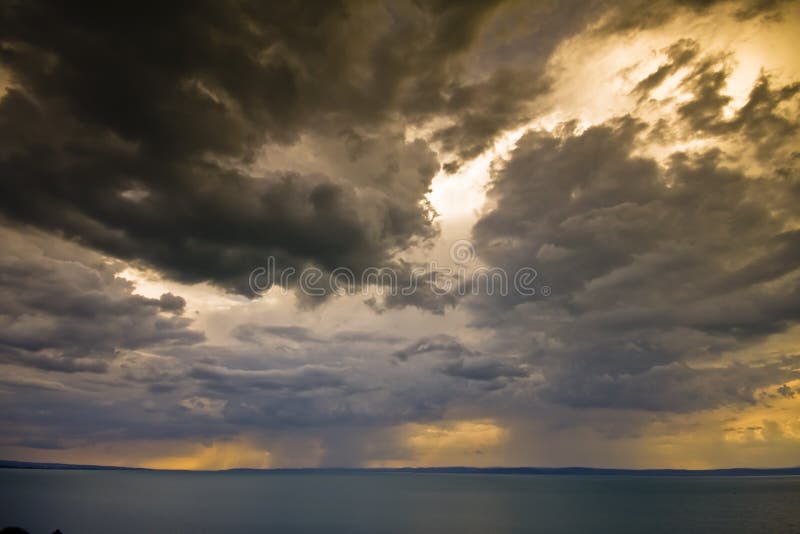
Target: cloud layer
149,162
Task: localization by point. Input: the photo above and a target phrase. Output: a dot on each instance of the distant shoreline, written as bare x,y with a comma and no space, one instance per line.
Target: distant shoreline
588,471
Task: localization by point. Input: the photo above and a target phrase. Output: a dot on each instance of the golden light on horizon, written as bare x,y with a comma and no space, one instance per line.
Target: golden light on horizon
218,455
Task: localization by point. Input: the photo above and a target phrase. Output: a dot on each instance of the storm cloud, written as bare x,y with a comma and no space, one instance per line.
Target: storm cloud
653,264
140,134
639,157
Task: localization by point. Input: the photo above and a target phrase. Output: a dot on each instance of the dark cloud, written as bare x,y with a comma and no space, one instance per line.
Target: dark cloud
636,15
172,303
441,344
786,392
136,135
482,368
679,54
768,9
484,110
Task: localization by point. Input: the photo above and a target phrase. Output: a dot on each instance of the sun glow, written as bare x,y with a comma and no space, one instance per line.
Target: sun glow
465,442
214,456
459,197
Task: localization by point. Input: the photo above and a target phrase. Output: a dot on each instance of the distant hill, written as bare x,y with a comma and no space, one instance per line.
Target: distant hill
13,464
738,471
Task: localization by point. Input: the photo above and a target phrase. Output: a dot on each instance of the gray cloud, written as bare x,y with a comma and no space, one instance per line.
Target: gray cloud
251,332
766,123
651,267
302,378
673,387
63,308
758,120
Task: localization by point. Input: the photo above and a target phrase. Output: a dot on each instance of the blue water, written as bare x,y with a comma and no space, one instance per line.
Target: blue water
121,502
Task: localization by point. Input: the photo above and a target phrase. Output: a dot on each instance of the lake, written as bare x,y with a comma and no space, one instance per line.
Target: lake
122,502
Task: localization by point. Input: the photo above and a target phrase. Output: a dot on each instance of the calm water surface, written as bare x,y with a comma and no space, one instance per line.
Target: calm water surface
122,502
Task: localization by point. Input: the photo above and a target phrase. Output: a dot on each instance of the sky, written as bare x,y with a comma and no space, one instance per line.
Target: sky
400,233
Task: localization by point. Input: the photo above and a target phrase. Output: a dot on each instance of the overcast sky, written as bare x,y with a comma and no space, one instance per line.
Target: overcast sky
635,162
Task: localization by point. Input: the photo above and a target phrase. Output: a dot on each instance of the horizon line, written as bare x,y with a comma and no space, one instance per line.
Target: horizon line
452,469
